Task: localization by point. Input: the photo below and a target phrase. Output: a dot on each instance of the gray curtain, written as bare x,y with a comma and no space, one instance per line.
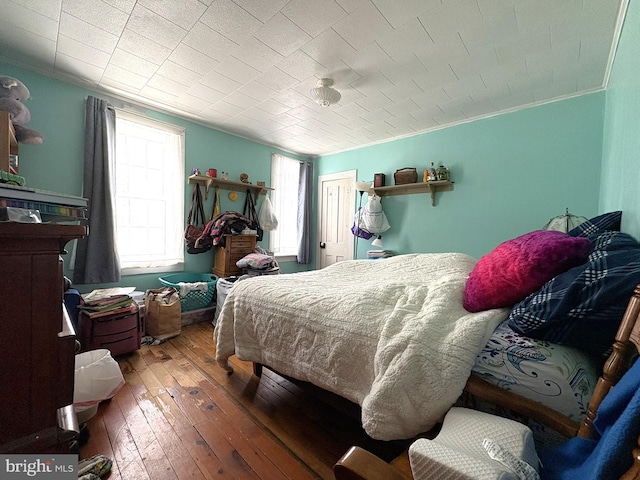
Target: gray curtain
96,255
305,199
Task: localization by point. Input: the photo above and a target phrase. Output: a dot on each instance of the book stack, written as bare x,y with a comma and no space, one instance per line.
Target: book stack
376,254
110,305
53,207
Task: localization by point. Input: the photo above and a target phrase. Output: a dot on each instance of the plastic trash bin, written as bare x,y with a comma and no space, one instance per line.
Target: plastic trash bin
223,287
97,377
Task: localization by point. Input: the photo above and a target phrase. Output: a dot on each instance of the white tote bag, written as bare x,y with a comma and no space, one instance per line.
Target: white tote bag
267,218
374,219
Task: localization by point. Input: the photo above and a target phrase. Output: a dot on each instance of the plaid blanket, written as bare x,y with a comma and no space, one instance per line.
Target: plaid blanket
582,307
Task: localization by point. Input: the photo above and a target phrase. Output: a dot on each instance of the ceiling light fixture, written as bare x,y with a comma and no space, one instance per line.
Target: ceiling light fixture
323,94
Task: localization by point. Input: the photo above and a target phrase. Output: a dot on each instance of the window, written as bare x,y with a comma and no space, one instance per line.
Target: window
149,194
285,173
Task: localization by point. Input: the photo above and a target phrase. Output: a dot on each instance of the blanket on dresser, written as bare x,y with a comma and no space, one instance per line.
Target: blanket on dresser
391,335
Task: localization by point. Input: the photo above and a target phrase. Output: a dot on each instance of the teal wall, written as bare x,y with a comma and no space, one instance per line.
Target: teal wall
57,112
512,173
621,152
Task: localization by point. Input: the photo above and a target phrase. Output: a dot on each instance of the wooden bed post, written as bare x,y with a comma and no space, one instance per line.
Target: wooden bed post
634,472
617,363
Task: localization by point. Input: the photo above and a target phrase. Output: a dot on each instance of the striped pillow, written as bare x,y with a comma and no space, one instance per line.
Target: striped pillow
583,306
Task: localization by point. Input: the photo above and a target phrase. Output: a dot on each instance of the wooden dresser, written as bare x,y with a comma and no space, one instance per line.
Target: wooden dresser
235,247
37,346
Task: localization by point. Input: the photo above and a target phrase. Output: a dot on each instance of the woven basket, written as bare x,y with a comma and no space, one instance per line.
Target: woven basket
405,175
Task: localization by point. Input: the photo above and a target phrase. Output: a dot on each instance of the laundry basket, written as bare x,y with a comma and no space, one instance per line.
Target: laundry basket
223,287
192,298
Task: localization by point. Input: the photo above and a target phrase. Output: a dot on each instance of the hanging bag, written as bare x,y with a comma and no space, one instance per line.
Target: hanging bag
196,216
195,224
358,227
267,218
216,204
205,241
249,211
373,217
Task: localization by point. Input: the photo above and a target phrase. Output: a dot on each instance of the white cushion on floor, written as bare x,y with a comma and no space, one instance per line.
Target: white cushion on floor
457,452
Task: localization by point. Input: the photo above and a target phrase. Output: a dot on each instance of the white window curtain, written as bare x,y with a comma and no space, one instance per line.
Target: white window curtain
285,175
292,204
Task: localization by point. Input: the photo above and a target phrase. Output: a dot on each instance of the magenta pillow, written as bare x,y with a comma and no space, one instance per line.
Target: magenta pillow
521,266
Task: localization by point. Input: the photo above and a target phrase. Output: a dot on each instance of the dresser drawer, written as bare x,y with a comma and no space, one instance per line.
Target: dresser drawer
120,333
242,242
235,248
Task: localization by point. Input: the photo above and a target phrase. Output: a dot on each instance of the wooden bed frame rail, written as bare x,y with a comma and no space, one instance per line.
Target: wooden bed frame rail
479,388
625,347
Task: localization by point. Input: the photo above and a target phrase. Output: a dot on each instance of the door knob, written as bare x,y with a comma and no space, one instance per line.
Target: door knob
323,245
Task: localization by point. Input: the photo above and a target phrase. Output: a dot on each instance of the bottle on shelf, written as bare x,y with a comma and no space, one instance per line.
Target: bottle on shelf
432,175
442,173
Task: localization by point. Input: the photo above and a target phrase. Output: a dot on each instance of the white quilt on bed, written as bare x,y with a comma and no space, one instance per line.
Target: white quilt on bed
391,335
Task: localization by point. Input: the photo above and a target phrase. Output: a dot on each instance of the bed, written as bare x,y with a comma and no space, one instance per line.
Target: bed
559,377
404,336
605,446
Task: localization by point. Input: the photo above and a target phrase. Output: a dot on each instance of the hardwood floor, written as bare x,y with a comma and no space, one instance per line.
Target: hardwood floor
180,416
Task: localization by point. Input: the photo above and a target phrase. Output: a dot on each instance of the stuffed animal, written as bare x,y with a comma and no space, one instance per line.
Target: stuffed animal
12,95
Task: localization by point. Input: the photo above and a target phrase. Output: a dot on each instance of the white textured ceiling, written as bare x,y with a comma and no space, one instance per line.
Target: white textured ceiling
246,66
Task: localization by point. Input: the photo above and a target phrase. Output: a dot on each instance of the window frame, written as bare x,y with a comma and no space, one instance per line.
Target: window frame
178,204
278,191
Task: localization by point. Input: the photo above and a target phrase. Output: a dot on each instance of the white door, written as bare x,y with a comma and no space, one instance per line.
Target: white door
336,208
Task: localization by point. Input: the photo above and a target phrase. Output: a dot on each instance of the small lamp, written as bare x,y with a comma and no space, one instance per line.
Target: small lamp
377,242
362,187
564,223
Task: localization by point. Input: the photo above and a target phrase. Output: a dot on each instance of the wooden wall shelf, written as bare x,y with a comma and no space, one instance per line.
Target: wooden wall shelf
209,182
411,188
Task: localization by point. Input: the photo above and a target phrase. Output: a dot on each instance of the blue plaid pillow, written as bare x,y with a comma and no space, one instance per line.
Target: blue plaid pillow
583,306
606,221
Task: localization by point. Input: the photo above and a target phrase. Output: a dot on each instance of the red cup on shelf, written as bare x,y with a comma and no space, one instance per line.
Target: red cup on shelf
212,172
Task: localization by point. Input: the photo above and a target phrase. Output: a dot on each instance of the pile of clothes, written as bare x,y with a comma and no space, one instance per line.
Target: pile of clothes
94,468
226,223
260,262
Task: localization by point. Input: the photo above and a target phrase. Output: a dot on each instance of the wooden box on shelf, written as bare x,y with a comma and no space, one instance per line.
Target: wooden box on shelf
235,247
8,143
